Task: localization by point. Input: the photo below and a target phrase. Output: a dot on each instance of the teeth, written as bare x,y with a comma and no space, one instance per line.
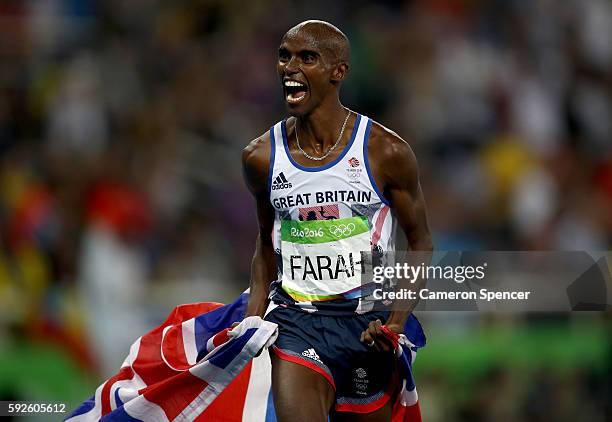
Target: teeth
293,83
292,99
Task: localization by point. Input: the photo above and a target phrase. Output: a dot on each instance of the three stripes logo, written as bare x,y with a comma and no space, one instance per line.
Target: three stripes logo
281,182
310,353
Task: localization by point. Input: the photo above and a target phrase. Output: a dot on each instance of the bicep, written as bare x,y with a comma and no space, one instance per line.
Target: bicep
410,210
255,171
406,197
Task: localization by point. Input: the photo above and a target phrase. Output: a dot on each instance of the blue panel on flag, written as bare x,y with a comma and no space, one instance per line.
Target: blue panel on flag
414,331
118,401
232,349
270,413
212,322
119,415
85,407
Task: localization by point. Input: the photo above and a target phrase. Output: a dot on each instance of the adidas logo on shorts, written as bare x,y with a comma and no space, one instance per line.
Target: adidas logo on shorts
310,353
281,182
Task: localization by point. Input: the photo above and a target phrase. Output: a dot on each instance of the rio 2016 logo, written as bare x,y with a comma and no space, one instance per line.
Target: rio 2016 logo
295,232
341,230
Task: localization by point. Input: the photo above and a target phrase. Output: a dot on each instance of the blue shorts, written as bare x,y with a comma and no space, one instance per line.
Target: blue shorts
363,378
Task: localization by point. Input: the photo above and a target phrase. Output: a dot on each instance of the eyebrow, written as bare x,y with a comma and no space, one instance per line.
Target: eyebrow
305,51
283,49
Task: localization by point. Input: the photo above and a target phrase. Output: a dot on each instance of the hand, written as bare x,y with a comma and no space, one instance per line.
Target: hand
376,337
234,325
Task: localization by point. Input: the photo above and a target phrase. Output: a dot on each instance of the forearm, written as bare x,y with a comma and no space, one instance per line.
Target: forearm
263,272
421,252
401,309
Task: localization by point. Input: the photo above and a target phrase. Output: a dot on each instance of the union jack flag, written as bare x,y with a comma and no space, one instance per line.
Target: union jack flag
194,368
354,162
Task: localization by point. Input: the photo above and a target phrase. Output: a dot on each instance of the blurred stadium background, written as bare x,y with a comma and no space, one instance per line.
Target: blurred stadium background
121,196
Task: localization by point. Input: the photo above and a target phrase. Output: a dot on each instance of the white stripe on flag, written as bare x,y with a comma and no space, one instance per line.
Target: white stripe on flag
128,390
408,398
218,378
95,413
256,401
191,350
143,409
131,357
165,330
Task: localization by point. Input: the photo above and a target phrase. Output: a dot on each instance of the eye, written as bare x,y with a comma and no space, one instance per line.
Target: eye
308,58
283,55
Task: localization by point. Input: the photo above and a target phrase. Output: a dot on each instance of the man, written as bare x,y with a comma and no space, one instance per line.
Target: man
329,184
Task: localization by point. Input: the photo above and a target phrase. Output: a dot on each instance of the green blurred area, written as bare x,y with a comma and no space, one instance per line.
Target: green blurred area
43,372
542,368
560,347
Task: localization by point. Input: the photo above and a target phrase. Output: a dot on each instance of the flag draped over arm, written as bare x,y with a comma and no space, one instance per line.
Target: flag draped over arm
194,368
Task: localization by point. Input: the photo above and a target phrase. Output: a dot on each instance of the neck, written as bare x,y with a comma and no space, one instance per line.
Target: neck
319,130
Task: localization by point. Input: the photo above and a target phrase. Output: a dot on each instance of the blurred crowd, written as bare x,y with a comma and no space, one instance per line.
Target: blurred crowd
122,124
502,394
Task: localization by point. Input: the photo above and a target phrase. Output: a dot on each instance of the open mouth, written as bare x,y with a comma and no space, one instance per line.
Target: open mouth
295,91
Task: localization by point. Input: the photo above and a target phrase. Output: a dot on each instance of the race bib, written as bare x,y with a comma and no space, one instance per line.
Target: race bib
322,258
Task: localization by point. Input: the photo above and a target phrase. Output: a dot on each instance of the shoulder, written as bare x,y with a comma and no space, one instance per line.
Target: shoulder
389,151
256,161
257,151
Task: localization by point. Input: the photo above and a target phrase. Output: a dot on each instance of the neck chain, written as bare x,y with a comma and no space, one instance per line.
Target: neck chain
324,156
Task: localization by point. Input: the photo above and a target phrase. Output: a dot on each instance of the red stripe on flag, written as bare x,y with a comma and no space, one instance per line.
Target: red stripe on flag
174,349
229,405
149,364
176,393
393,337
382,214
406,413
124,373
221,337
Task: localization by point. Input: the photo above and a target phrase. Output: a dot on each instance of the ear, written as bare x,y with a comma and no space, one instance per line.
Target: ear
340,72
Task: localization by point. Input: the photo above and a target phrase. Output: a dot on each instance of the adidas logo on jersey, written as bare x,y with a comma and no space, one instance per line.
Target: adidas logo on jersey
310,353
281,182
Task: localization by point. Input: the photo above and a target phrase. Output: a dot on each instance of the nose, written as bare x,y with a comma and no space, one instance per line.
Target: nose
292,65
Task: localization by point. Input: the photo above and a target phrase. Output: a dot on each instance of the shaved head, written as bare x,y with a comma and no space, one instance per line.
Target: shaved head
312,63
325,37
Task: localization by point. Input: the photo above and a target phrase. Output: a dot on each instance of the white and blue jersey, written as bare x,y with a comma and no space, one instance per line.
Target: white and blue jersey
326,218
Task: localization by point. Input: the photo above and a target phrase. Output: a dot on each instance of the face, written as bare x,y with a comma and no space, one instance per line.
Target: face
307,72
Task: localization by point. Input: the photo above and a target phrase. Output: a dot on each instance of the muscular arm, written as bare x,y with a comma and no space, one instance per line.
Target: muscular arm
396,171
403,190
255,161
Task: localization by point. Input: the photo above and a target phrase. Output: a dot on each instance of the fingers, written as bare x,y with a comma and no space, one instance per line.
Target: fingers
231,333
374,329
367,337
380,337
374,337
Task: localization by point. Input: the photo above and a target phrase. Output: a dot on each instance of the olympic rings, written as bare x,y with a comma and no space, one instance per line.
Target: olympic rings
342,229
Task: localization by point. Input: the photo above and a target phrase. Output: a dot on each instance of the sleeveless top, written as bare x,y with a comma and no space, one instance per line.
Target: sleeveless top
328,221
